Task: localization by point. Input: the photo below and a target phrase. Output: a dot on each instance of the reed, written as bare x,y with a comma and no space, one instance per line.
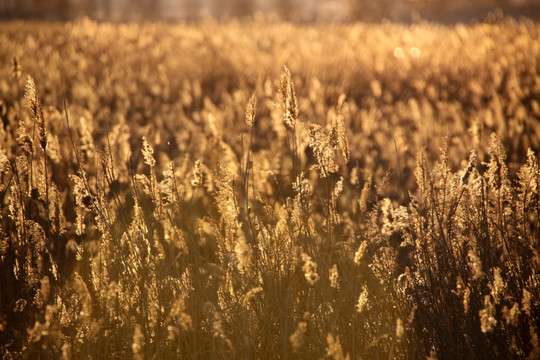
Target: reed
352,204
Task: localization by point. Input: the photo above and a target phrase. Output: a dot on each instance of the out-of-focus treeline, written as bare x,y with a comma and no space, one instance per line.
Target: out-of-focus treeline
297,10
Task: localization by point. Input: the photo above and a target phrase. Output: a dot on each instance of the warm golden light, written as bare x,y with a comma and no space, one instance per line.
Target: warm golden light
258,189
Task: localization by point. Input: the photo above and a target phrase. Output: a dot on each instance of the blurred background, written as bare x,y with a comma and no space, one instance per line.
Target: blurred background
444,11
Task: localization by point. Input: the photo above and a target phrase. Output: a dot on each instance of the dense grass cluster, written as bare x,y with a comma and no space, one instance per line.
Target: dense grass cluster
174,191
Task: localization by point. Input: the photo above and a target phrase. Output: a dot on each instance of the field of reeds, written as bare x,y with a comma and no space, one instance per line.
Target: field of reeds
266,190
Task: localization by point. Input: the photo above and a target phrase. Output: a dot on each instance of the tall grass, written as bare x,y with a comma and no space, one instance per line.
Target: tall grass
363,208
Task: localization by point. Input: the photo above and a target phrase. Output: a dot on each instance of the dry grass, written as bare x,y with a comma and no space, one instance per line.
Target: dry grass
174,192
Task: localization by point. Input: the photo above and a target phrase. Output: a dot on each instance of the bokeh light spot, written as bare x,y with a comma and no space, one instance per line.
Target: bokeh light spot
415,52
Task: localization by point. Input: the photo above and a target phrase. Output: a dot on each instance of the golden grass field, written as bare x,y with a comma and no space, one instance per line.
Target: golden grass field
267,190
